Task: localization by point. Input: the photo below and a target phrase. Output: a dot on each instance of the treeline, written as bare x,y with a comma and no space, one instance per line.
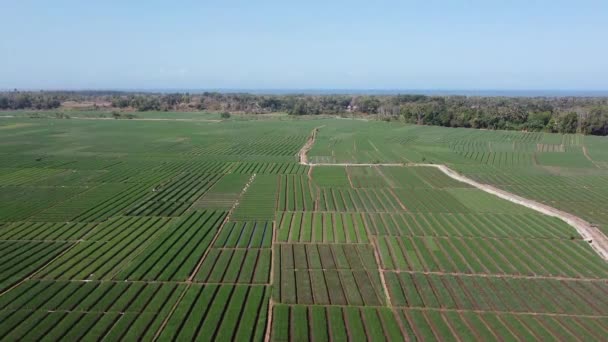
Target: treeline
19,100
587,115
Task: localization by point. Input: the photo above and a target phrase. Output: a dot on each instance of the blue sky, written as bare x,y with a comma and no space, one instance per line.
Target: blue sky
272,44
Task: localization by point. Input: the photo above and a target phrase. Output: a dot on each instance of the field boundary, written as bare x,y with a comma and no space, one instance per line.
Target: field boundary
590,233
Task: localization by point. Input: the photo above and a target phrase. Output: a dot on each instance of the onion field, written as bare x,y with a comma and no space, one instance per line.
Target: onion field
122,230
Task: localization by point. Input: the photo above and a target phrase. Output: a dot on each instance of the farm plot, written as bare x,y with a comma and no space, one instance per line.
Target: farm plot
405,177
366,177
540,257
334,323
126,230
250,234
447,325
430,200
72,208
20,203
111,247
115,205
174,254
45,231
497,294
259,200
224,193
236,265
20,259
359,200
271,168
321,227
25,176
330,176
338,274
296,193
468,225
574,159
220,313
86,310
175,197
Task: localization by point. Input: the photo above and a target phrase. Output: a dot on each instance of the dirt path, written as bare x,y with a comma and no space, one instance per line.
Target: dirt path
303,154
586,153
596,239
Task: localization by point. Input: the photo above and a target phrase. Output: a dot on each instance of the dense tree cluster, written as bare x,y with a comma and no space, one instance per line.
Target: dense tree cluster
19,100
588,115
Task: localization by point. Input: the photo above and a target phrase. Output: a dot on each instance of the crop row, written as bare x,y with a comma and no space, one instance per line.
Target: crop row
434,325
224,193
334,323
296,193
275,146
435,178
430,200
597,193
42,231
468,225
20,203
550,148
194,166
185,187
337,287
91,163
16,176
69,209
111,246
259,201
270,168
491,144
325,256
419,177
86,310
366,177
241,265
70,178
135,174
564,258
327,274
174,254
219,313
175,197
330,176
358,200
500,158
321,227
20,259
160,208
116,204
570,159
506,294
250,234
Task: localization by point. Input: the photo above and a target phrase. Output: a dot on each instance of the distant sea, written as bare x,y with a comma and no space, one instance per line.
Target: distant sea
443,92
438,92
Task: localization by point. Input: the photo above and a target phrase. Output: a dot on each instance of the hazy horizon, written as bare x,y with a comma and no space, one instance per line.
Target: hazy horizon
355,45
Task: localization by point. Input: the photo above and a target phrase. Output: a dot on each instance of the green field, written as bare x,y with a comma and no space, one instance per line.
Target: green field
211,230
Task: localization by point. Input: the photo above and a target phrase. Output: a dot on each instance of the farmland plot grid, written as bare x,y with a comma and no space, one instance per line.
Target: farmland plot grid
214,231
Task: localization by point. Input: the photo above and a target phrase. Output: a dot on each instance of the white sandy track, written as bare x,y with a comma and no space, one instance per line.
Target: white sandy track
596,239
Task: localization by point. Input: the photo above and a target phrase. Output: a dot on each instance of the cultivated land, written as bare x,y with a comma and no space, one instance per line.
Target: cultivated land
251,230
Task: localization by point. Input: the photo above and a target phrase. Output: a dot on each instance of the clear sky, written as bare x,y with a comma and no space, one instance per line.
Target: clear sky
321,44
